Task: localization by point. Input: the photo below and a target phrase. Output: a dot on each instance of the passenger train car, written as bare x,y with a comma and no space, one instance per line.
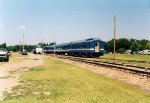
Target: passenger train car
92,47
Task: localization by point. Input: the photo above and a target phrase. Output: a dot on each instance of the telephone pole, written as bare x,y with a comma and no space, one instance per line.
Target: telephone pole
114,37
20,43
23,40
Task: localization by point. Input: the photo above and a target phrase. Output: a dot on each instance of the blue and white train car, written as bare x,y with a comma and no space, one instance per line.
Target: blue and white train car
92,47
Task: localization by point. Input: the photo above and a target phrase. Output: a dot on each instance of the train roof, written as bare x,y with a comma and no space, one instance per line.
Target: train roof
57,45
79,41
62,44
86,40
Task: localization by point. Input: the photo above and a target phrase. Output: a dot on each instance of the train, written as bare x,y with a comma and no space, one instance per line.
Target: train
92,47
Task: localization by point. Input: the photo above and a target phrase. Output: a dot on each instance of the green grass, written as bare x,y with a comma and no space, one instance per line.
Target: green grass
124,57
129,57
59,82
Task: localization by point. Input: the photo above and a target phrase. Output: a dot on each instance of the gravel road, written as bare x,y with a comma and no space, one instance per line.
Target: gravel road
11,72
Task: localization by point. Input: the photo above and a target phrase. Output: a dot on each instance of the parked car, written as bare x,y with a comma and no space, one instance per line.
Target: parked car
140,52
4,55
147,51
128,52
24,52
134,53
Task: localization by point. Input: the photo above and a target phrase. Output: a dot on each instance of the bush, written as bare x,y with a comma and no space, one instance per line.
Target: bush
121,50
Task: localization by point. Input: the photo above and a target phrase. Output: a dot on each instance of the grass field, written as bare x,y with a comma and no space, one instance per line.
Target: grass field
124,57
59,82
129,57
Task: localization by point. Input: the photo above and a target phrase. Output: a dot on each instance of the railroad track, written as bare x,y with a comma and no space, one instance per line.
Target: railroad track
138,61
139,70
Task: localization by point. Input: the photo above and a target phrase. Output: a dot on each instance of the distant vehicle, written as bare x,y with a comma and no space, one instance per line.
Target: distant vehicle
134,53
37,51
24,52
140,52
34,51
128,52
147,51
4,55
93,47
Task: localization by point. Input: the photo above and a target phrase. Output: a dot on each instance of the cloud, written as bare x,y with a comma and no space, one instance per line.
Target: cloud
21,27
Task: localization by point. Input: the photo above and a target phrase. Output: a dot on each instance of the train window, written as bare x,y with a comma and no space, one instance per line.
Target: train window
80,46
84,46
95,44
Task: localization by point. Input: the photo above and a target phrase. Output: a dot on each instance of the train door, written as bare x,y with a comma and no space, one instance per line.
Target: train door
97,46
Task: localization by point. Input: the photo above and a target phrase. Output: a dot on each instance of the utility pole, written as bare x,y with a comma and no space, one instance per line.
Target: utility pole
114,36
20,44
23,40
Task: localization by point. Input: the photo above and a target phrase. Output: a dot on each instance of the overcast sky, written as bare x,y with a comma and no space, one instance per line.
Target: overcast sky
68,20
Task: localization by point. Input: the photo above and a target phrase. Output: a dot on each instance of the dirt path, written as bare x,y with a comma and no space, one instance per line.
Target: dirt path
10,73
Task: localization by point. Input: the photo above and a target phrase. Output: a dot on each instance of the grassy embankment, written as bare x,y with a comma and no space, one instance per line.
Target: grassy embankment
15,57
125,57
59,82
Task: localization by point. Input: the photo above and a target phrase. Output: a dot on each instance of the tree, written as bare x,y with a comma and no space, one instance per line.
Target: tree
135,46
3,45
148,45
109,46
123,43
52,43
121,50
126,44
142,44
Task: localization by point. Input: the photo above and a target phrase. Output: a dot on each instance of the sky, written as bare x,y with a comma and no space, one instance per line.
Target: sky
69,20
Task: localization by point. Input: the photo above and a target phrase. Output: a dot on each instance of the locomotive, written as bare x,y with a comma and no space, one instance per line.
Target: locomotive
93,47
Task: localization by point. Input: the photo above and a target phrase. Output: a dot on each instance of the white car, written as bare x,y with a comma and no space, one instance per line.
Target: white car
4,55
147,51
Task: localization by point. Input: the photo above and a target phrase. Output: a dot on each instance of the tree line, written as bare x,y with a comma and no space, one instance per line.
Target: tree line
29,48
16,48
122,45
